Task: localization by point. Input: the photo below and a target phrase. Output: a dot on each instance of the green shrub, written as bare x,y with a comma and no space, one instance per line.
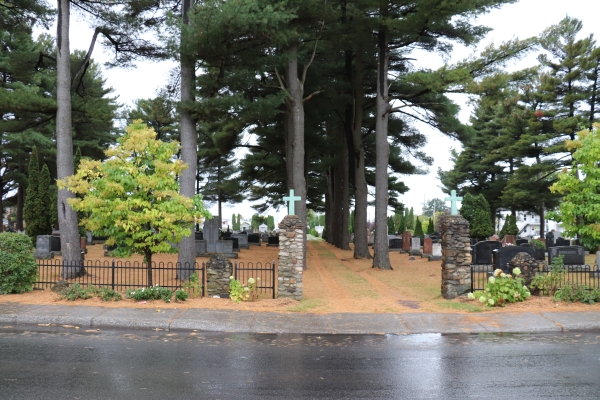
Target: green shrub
572,292
76,291
548,284
193,287
18,268
151,293
181,295
538,244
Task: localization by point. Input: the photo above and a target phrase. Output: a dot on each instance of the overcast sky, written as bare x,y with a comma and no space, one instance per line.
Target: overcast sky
520,20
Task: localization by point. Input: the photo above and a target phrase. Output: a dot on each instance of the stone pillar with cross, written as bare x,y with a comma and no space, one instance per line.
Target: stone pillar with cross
291,200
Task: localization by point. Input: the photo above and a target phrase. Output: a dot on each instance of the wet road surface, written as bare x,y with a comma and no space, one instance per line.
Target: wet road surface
65,363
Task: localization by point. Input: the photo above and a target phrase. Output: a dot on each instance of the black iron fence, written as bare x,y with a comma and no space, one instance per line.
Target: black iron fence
574,274
264,274
117,275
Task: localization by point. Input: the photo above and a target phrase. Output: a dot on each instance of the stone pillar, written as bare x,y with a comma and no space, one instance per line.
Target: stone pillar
456,256
291,253
218,271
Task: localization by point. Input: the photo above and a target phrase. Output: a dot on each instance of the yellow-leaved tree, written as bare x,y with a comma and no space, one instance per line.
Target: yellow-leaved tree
133,196
579,210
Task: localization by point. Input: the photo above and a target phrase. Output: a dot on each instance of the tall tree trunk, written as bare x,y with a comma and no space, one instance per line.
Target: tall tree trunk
67,217
288,129
189,153
381,259
296,99
542,215
148,257
361,245
20,205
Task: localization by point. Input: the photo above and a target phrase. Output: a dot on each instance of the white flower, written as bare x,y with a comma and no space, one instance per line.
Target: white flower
246,289
497,272
231,277
525,288
482,299
503,275
471,296
251,280
517,271
492,279
491,302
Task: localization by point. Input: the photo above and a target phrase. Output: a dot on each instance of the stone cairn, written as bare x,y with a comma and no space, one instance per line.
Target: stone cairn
291,255
218,270
528,265
456,256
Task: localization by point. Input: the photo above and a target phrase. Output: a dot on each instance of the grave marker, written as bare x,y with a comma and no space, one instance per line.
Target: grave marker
572,255
395,244
436,249
273,241
42,247
427,247
415,248
503,255
211,234
253,239
242,240
483,252
406,237
562,242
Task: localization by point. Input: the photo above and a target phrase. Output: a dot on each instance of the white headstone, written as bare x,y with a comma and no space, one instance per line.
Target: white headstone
415,246
436,250
319,229
262,228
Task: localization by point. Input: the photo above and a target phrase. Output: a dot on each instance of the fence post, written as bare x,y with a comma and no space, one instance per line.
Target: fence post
203,277
235,271
113,275
273,279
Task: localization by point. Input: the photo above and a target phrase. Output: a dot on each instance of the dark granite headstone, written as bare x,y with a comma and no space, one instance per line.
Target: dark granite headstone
226,235
242,240
55,243
200,248
503,255
273,241
483,252
572,255
395,244
253,239
562,242
519,242
199,235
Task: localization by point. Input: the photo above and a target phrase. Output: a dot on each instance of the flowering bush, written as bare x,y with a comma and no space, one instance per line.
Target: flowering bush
501,289
239,292
151,293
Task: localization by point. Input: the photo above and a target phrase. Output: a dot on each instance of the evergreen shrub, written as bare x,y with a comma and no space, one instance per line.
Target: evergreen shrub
18,269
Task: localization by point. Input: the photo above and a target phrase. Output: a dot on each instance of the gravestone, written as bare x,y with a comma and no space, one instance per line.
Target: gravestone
562,242
427,247
550,239
199,235
572,255
89,237
226,235
483,252
253,239
415,248
520,241
436,252
55,244
211,234
242,240
503,255
509,239
200,248
273,241
395,244
264,237
42,247
406,237
225,247
236,246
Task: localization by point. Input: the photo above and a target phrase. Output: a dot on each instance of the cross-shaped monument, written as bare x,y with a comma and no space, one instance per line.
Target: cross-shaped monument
291,199
452,199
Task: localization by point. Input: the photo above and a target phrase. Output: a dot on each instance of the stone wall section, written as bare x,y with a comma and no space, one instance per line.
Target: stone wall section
291,255
456,256
218,271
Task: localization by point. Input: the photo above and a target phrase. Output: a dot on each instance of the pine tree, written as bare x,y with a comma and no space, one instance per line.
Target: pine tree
270,222
482,225
391,225
468,208
233,223
419,229
46,196
410,220
29,209
430,227
402,226
510,226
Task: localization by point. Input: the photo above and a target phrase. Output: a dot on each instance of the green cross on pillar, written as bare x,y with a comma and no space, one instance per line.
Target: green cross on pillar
291,199
453,199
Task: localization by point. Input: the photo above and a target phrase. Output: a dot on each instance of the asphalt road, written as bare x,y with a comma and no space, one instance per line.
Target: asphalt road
64,363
